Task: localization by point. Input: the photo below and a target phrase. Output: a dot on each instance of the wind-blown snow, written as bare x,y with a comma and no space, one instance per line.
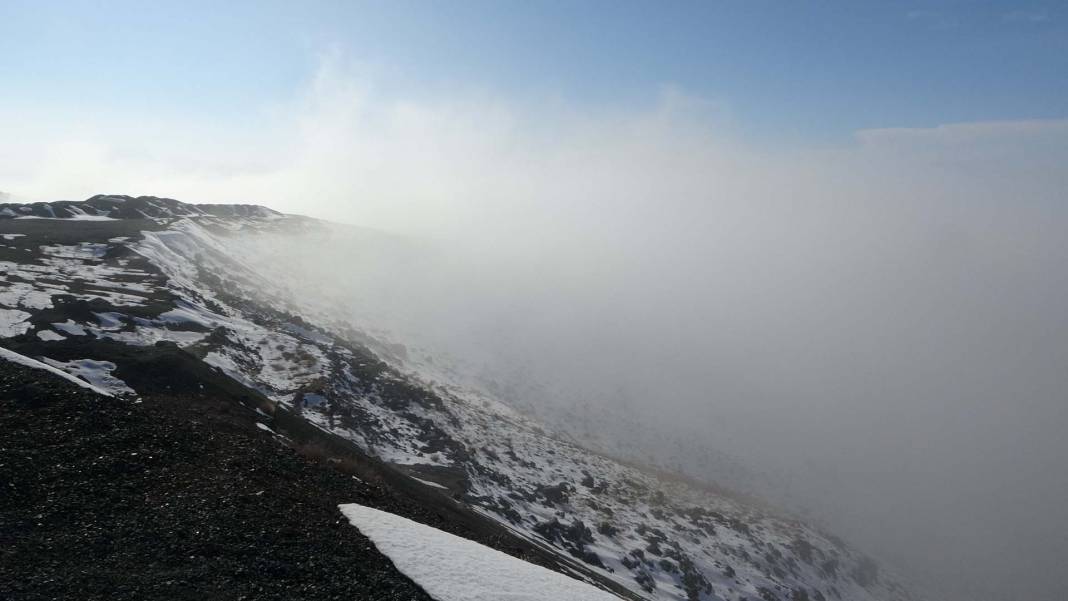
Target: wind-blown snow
187,312
97,373
78,217
21,294
429,483
265,428
76,270
26,361
109,321
13,322
70,327
450,568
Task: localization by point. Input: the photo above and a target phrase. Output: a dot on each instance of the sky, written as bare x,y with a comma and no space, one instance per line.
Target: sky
185,100
802,71
826,237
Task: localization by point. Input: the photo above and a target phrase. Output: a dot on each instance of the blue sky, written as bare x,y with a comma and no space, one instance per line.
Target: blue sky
778,69
813,226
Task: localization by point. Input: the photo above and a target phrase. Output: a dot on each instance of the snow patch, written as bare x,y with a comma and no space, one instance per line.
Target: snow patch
75,217
19,294
187,312
97,373
429,483
70,327
451,568
14,357
13,322
110,320
81,251
312,399
49,335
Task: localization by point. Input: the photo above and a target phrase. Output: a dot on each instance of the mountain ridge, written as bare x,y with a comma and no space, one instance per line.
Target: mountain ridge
118,206
145,273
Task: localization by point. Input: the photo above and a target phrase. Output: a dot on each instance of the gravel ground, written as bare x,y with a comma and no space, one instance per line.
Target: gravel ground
172,498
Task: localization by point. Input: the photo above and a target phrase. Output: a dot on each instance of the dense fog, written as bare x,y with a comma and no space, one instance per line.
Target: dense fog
874,329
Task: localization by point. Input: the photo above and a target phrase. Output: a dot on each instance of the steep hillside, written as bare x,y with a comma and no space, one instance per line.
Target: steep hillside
187,495
125,291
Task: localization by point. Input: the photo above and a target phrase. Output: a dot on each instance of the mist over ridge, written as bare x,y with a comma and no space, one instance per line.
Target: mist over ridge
877,323
879,326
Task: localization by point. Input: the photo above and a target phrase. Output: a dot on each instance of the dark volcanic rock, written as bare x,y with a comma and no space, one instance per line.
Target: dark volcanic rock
172,499
116,206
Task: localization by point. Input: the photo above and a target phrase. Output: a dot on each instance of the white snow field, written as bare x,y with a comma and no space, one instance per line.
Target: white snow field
450,568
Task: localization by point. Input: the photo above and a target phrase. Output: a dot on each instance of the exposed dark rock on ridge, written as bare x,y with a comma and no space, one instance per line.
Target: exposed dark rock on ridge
130,207
172,498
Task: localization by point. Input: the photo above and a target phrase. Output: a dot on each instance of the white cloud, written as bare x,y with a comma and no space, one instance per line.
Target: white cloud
857,307
340,151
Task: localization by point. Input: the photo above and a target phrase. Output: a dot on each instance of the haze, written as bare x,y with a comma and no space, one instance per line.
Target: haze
850,290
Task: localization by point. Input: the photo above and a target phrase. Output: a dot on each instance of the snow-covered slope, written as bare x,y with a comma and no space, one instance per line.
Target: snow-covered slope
170,275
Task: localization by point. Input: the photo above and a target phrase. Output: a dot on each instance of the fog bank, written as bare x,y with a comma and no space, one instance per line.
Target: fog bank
879,325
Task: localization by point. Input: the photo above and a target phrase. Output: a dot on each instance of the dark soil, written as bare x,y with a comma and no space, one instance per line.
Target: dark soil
164,499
